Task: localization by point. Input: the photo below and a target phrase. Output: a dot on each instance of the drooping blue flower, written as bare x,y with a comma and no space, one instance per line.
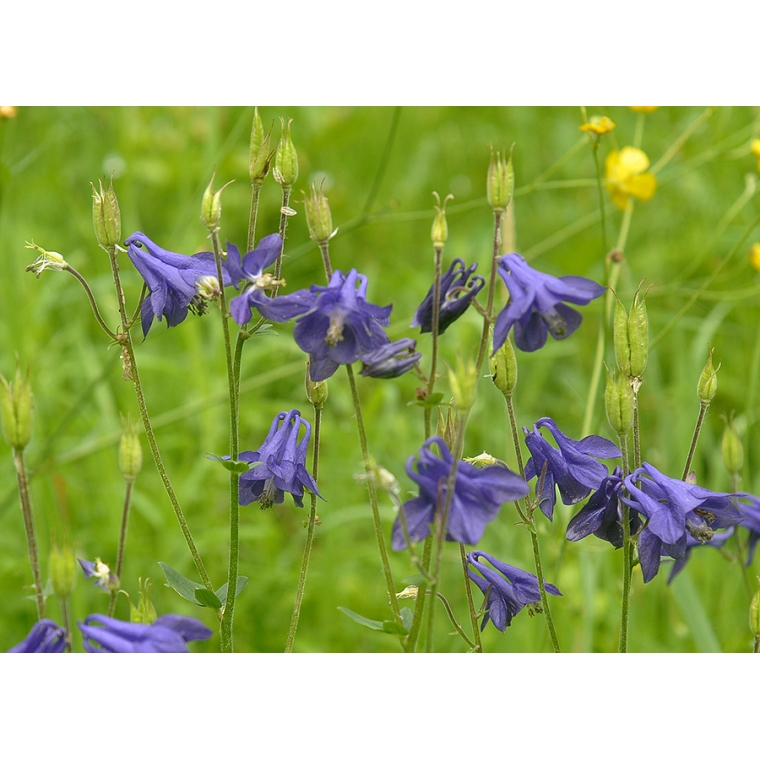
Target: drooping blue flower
46,637
283,464
751,522
573,468
675,509
456,296
478,495
692,543
507,591
104,578
603,514
172,279
390,360
537,304
168,633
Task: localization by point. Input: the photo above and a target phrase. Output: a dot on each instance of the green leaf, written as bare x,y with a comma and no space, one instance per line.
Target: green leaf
391,626
183,586
375,625
233,465
221,592
407,617
208,598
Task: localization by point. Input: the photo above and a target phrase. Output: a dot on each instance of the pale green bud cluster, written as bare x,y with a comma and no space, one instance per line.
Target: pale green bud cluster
261,157
286,158
63,571
315,392
731,448
211,205
501,180
503,366
630,333
318,217
440,231
16,407
707,386
130,451
619,403
106,217
145,612
464,382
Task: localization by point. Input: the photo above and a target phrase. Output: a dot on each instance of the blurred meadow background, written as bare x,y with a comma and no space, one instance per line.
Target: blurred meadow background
690,244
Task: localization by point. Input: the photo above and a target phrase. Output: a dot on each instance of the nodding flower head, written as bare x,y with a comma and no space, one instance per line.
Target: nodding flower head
168,633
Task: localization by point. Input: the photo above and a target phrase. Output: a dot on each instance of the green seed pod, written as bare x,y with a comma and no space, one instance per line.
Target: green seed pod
501,180
286,159
618,401
447,429
130,451
211,205
16,407
440,230
464,382
318,217
106,216
638,336
261,157
503,366
731,448
63,571
707,386
621,339
315,392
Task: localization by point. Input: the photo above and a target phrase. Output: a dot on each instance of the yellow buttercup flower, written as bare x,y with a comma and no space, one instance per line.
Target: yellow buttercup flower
755,147
643,109
625,174
8,112
754,256
599,125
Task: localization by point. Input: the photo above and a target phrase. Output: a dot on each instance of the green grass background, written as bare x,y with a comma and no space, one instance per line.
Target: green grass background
163,158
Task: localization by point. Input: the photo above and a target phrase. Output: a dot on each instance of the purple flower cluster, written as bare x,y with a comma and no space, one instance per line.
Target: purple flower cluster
168,633
46,637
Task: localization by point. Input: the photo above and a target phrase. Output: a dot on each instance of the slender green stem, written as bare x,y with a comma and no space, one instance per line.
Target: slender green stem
128,485
255,195
489,318
283,231
66,616
434,332
703,407
638,135
600,186
309,534
636,432
542,590
515,434
474,646
627,558
478,646
383,161
95,310
419,605
678,144
131,373
31,540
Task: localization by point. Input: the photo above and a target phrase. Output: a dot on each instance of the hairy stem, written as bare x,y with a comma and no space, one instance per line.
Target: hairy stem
90,295
31,540
703,407
478,646
128,484
627,557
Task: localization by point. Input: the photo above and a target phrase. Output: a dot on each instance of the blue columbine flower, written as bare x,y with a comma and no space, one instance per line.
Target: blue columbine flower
507,591
283,465
675,509
456,296
104,578
168,633
536,305
573,468
172,280
478,495
692,543
751,522
603,514
46,637
390,360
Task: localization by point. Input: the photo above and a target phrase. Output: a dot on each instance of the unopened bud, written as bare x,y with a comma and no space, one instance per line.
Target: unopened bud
286,159
16,407
483,460
731,448
440,231
145,612
318,218
383,479
410,592
261,157
503,366
447,429
631,337
63,571
207,287
46,260
211,205
106,216
501,180
464,382
130,451
707,386
618,401
315,392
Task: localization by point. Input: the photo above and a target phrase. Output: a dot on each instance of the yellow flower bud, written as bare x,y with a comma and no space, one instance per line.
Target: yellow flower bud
643,109
440,231
63,571
286,159
130,451
106,216
318,217
598,125
503,366
731,447
754,256
16,407
707,386
501,180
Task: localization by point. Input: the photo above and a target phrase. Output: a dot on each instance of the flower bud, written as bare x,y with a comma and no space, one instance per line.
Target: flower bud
731,448
410,592
130,451
383,479
501,180
630,335
261,158
208,287
503,365
318,218
63,571
106,216
315,392
707,386
46,260
16,407
145,612
754,615
286,159
618,401
448,429
440,230
483,460
211,205
464,384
